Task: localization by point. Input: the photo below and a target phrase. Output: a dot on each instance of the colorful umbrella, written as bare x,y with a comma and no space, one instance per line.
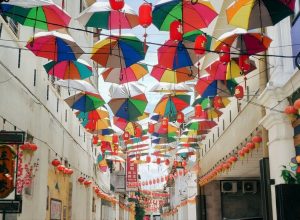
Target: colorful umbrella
248,43
105,134
101,15
69,69
177,54
170,105
54,46
118,51
125,75
41,14
97,126
77,85
194,14
125,125
163,140
209,87
224,71
210,102
171,129
128,101
95,115
85,101
183,74
171,88
252,14
200,124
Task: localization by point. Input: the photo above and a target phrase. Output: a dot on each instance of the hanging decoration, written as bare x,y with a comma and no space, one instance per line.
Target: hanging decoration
145,19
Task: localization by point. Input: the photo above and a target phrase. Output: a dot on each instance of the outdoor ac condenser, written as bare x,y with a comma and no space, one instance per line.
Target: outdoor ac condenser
229,186
249,187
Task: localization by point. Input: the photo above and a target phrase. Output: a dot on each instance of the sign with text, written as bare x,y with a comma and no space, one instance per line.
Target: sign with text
131,175
12,137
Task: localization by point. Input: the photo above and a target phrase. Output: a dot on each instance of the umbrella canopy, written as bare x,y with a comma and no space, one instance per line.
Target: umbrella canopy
85,101
186,152
97,126
200,124
125,75
194,14
171,129
54,46
118,51
170,88
69,69
163,140
167,75
105,133
170,105
95,115
79,85
210,102
101,15
177,54
114,158
239,39
224,71
252,14
42,14
127,101
209,87
128,126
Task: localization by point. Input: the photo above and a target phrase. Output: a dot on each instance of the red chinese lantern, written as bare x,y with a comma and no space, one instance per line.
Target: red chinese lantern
200,44
176,32
115,139
175,163
81,179
165,123
61,168
145,15
55,162
241,153
290,110
250,145
126,136
138,157
198,110
148,159
233,159
183,163
239,92
87,183
95,139
150,182
138,132
158,160
167,162
116,4
180,117
150,128
70,171
224,54
217,102
33,147
226,166
257,139
246,150
244,63
297,104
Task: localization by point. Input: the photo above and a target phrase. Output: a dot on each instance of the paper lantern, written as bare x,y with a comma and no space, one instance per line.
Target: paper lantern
175,163
256,139
246,150
150,128
233,159
165,123
158,160
198,110
81,179
180,117
226,166
217,102
87,183
241,153
244,63
126,136
176,32
145,15
138,132
150,182
167,162
138,157
61,168
250,145
297,104
224,54
148,159
239,92
290,110
115,138
55,162
33,147
95,139
200,44
116,4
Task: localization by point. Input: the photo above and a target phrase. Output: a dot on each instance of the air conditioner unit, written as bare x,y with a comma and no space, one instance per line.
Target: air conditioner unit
249,187
229,186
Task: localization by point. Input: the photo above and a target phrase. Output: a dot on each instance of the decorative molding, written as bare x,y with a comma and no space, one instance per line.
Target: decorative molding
274,118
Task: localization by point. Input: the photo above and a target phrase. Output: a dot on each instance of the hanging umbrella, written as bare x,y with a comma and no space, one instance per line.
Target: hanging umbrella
128,126
167,75
200,124
41,14
69,69
171,88
177,54
194,14
252,14
95,115
104,134
118,51
209,87
186,152
77,85
241,40
54,46
170,105
114,158
127,101
192,35
163,140
209,102
224,71
85,101
190,132
125,75
171,129
101,15
97,126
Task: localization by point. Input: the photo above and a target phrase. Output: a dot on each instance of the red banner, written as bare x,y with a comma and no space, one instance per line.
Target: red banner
131,175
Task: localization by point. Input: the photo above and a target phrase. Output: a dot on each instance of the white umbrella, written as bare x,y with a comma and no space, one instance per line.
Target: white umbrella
79,85
114,158
170,88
